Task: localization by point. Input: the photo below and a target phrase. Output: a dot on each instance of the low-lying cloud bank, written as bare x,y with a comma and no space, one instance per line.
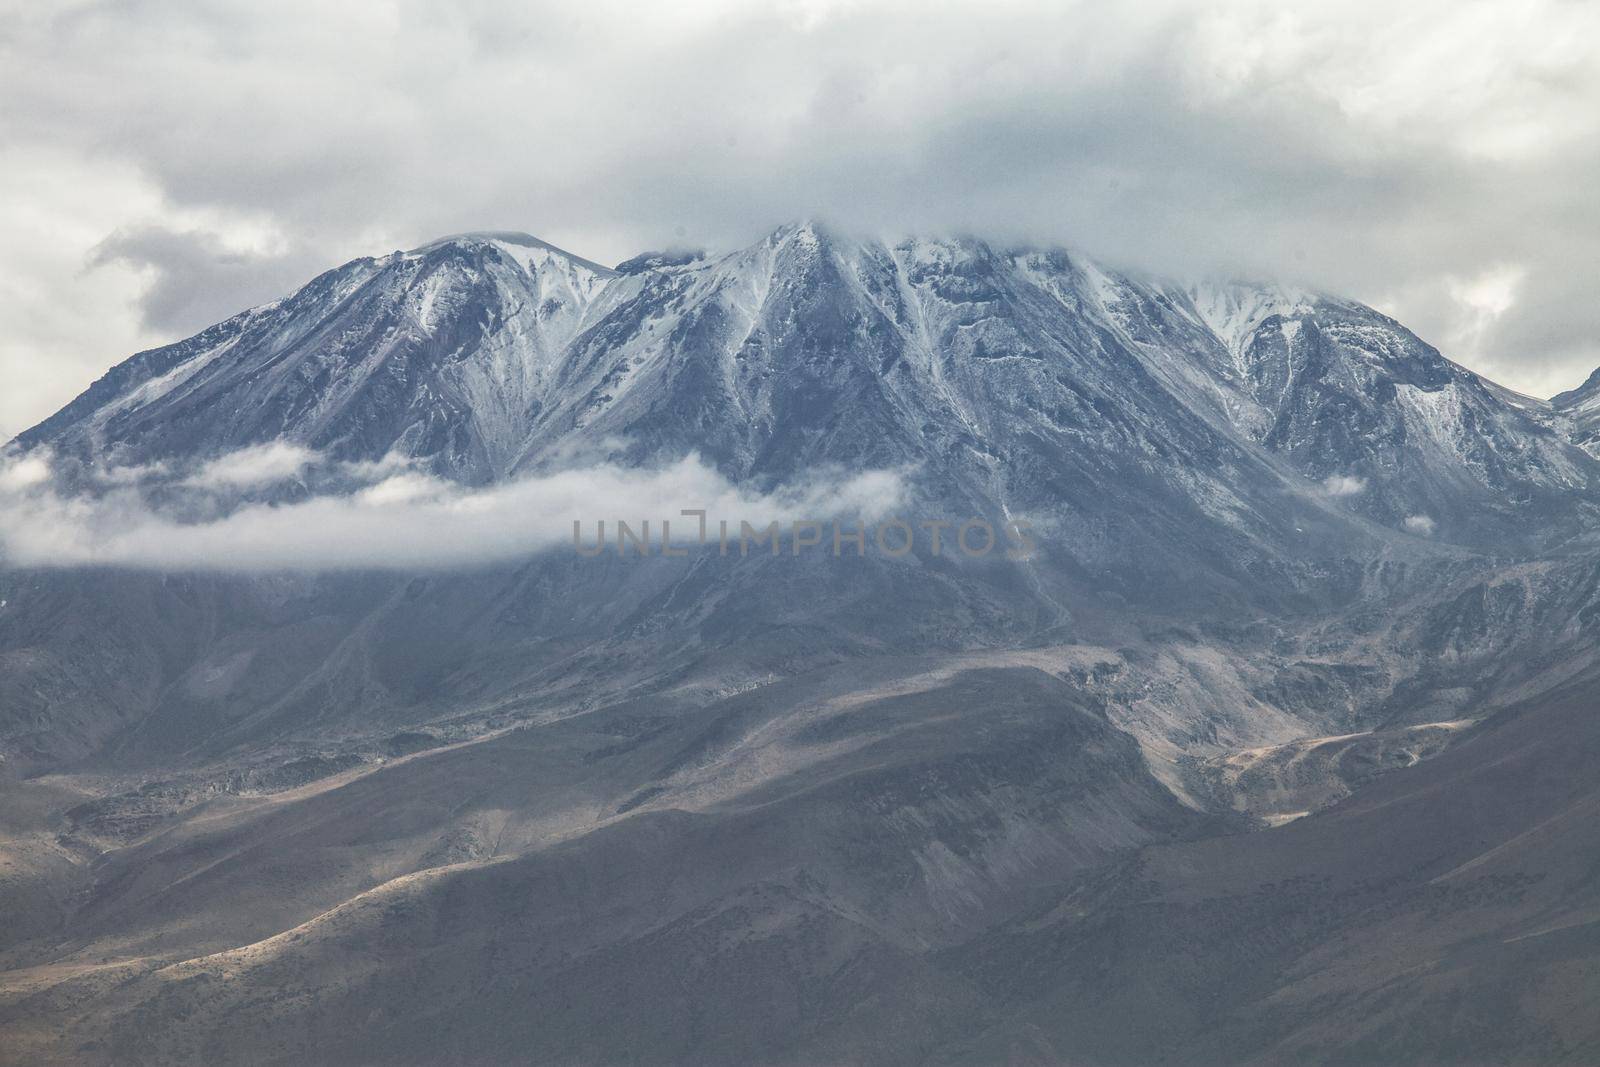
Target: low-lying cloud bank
403,520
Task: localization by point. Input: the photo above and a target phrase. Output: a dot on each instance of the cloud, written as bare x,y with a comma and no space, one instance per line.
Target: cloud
253,468
21,473
1396,153
408,521
196,277
136,474
1343,485
1421,525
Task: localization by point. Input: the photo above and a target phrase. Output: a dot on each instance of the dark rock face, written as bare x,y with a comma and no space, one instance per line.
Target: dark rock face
1296,570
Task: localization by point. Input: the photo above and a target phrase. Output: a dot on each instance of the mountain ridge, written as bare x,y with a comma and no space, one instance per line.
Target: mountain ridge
484,355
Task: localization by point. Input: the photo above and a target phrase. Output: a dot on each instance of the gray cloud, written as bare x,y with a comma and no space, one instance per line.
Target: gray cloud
196,279
1396,153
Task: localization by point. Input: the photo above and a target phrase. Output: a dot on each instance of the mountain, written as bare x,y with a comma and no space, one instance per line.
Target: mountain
1582,407
1274,750
1017,378
442,352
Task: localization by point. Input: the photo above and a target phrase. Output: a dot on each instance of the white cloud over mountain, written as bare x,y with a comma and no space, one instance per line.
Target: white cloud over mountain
404,521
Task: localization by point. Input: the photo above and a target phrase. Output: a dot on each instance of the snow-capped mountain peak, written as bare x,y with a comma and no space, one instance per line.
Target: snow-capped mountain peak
1010,379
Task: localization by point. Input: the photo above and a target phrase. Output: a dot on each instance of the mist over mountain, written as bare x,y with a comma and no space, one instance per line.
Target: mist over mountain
322,741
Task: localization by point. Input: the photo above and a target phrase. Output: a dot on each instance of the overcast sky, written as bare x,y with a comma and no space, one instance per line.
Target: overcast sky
163,165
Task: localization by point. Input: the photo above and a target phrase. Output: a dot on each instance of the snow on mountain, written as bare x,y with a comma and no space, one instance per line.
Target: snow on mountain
1580,408
439,353
1347,393
1011,379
